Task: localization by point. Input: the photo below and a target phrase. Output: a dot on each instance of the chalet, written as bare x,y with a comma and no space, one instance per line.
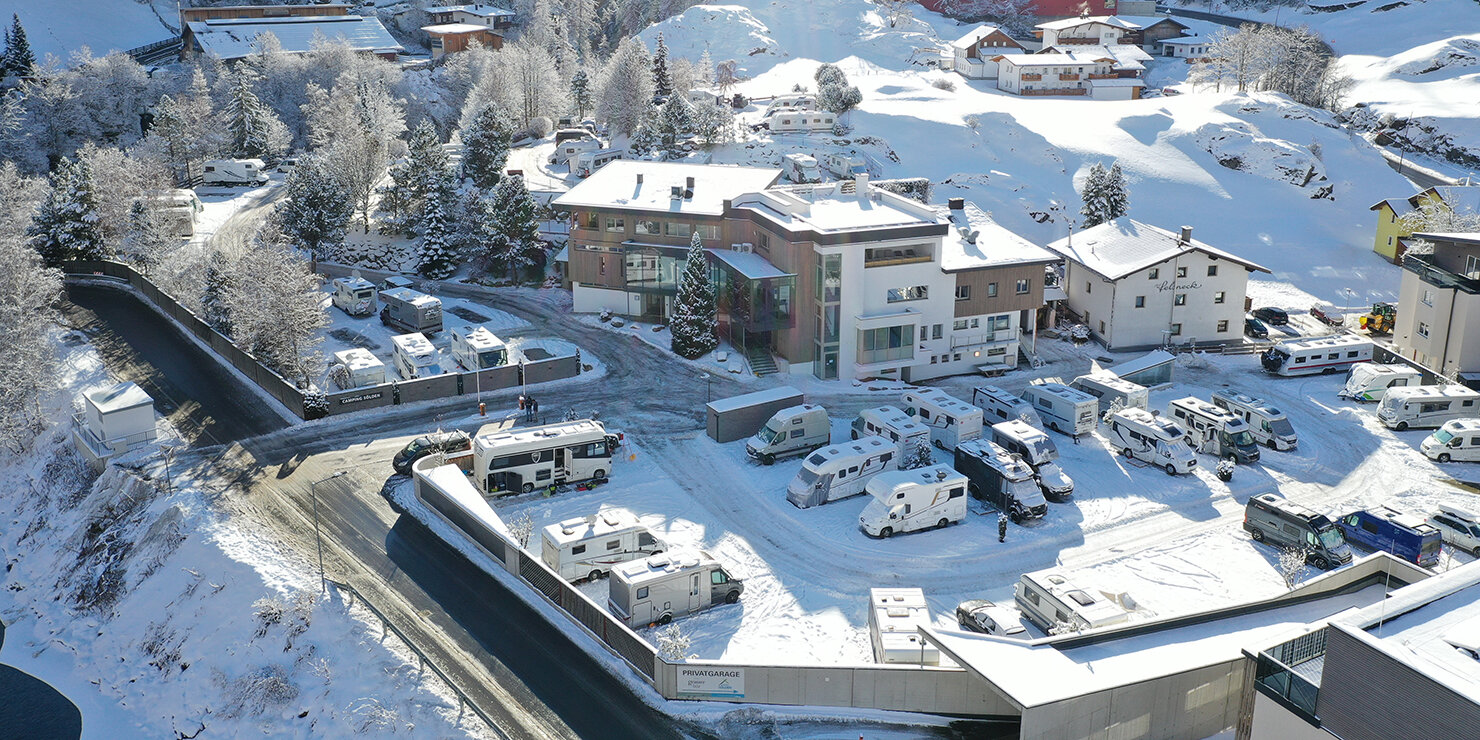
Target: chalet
447,38
1391,237
1051,74
1108,30
974,52
477,14
230,32
1129,60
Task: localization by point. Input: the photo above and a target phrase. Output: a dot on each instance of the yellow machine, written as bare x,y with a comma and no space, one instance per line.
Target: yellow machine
1380,320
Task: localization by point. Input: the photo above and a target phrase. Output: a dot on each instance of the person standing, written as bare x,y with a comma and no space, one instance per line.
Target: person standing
1002,527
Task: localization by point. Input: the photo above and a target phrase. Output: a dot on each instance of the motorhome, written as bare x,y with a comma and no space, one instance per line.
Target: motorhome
361,368
509,461
1053,603
892,424
1385,529
1062,408
796,430
1036,449
354,295
1110,388
842,470
1368,381
1137,434
1267,423
895,616
910,500
415,357
1214,430
176,209
806,121
999,405
410,311
1281,523
1311,356
844,166
1456,440
800,168
589,162
476,348
790,104
661,588
1426,406
1001,479
950,420
588,547
566,152
234,172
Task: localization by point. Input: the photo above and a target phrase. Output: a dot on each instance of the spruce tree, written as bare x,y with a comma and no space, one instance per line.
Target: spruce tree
435,254
645,137
1095,210
513,237
213,298
18,56
65,227
1117,194
694,326
248,122
580,93
147,239
316,213
412,181
662,78
486,146
675,123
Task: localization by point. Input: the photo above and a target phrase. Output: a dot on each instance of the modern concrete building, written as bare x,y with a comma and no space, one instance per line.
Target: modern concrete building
114,420
1438,322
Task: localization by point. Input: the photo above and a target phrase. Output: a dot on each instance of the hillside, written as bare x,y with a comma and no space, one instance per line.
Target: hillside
61,27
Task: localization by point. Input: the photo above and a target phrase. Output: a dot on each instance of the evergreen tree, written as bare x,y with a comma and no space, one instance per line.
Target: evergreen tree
18,56
412,181
1095,210
662,78
833,91
486,146
917,456
694,326
435,255
65,227
645,136
146,241
580,93
250,125
315,215
675,123
1117,194
705,69
513,231
213,297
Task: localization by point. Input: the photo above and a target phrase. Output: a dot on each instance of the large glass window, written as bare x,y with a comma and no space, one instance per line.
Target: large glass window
615,223
673,228
829,278
886,343
912,293
999,322
707,231
649,227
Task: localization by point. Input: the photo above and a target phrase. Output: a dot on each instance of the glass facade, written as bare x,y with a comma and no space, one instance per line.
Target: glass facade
828,285
654,270
886,344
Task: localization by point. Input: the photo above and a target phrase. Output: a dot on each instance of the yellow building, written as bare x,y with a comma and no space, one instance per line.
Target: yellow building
1389,241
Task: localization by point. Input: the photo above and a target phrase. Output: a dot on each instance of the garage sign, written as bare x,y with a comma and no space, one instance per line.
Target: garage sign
713,683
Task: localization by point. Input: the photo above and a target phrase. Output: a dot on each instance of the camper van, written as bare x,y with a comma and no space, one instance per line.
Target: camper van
567,151
1213,430
1368,381
176,209
1140,435
588,547
791,431
895,616
1311,356
1109,388
950,420
1384,529
790,104
415,357
1281,523
800,168
1036,449
998,405
354,295
1064,409
1456,440
1267,423
1426,406
234,172
659,588
410,311
844,166
1048,600
361,368
804,121
1001,479
509,461
892,424
910,500
589,162
841,470
476,348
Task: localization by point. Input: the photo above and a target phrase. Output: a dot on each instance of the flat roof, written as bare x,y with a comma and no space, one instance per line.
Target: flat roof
994,244
1118,82
616,186
769,395
125,395
748,264
358,358
234,38
836,207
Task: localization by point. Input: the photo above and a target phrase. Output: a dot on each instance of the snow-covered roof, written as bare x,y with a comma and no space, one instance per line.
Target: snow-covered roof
854,449
413,297
1147,21
1144,362
1118,82
455,28
1185,41
1470,237
1104,20
234,38
1049,60
769,395
1400,206
1126,56
117,398
563,255
1125,246
479,338
975,35
837,207
415,344
601,523
617,186
1462,198
478,9
748,264
358,358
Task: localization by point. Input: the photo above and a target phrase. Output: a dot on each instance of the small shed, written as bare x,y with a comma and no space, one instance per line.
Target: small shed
738,417
1150,369
113,421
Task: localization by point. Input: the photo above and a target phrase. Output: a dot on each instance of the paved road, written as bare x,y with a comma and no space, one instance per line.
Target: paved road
1419,176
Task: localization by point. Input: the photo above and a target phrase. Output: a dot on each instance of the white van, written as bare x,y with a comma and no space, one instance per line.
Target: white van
476,348
234,172
911,500
354,295
415,357
800,168
589,162
950,420
796,430
1064,409
999,405
844,166
1051,602
840,471
892,424
1138,434
1036,449
659,588
588,547
1456,440
361,368
1368,381
1267,423
1109,388
1426,406
1311,356
895,616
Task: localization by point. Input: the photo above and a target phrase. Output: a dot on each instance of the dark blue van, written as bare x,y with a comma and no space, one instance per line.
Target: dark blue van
1387,530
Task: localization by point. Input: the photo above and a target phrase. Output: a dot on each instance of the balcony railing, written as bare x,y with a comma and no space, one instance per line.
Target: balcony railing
1290,672
1423,266
1104,76
983,338
1032,77
1068,77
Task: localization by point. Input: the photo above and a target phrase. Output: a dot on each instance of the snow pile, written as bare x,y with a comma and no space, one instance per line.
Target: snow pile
1238,146
1451,56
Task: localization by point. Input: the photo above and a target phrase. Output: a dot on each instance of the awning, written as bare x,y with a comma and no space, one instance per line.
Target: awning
748,265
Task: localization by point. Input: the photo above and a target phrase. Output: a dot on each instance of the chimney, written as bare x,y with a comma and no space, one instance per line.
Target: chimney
956,204
688,188
1186,235
860,187
639,179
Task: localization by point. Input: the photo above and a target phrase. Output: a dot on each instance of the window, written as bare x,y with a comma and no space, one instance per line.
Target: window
614,544
1176,330
718,577
676,229
976,323
935,331
578,549
1423,329
615,223
1089,287
999,322
1022,287
924,333
912,293
932,359
1102,327
1352,353
1428,298
1223,326
644,226
1153,274
797,433
590,220
1218,297
1212,271
958,325
886,344
963,292
991,290
1180,299
1140,301
1181,272
1472,266
642,593
957,357
707,231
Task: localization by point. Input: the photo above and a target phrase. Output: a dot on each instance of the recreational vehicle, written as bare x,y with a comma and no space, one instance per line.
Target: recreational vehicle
895,616
588,547
517,460
1456,440
800,168
1281,523
589,162
1001,479
176,208
841,470
911,500
892,424
1109,388
844,166
998,405
1140,435
1062,408
790,104
1384,529
1368,381
415,357
1036,449
567,151
234,172
354,295
791,431
476,348
804,121
1052,603
410,310
361,368
1311,356
659,588
1267,423
1426,406
1214,430
950,420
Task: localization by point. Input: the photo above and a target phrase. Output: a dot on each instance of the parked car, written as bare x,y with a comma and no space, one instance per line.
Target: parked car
1328,314
287,163
1255,329
980,615
1458,527
446,442
1272,316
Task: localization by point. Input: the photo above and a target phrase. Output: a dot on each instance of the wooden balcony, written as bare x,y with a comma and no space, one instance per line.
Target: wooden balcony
1068,77
1032,77
1106,76
1065,91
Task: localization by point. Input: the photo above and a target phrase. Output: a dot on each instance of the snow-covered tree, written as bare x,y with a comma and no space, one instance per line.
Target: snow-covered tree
254,130
214,307
727,75
512,229
1117,193
918,455
715,124
626,89
28,296
486,146
833,91
276,307
662,80
187,124
646,137
1291,565
20,196
675,643
675,124
18,59
316,210
121,177
580,93
1435,216
66,226
895,12
1096,195
436,255
356,123
694,327
147,241
404,199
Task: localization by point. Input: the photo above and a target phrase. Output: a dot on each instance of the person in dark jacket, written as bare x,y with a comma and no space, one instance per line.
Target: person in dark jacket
1002,527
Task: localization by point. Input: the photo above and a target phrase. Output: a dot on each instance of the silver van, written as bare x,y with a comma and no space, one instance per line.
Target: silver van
1283,523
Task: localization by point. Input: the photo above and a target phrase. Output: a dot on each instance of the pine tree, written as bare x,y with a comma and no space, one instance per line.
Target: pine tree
705,68
675,123
1117,194
694,326
213,297
917,456
147,240
18,56
662,79
580,93
486,146
316,213
65,227
412,181
645,137
1095,210
250,124
435,254
513,231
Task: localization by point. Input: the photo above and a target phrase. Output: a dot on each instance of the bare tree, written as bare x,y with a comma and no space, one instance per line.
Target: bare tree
521,528
28,294
276,307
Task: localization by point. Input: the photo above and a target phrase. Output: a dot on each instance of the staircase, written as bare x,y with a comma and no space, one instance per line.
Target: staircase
760,361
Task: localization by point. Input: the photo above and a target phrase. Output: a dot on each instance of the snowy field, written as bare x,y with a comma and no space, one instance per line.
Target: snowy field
62,27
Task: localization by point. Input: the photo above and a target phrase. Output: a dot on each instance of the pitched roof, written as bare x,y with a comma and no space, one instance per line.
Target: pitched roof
479,9
1047,60
1125,56
1104,20
975,35
994,245
1125,246
1185,41
455,28
1461,198
1400,206
234,38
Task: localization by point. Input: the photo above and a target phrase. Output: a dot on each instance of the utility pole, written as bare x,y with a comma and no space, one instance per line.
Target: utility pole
317,534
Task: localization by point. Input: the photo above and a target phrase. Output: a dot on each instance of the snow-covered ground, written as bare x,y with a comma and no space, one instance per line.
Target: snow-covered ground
62,27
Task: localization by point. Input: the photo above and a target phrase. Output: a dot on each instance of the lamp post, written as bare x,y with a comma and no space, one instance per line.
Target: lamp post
708,379
317,535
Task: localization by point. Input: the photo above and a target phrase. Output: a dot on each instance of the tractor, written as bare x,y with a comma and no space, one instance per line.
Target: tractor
1380,320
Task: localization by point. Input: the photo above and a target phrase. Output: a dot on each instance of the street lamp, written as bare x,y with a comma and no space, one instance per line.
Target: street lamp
708,379
317,535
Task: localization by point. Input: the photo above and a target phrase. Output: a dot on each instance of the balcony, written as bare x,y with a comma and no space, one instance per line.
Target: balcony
983,339
1032,77
1104,76
1423,266
1290,673
1062,91
1068,77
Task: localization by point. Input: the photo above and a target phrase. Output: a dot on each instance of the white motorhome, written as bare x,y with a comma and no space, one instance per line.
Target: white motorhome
999,405
1311,356
588,547
1050,600
234,172
1426,406
800,168
1000,478
1214,430
361,368
950,420
844,166
177,208
410,310
476,348
659,588
895,616
354,295
892,424
516,460
1064,410
589,162
1456,440
796,430
790,104
841,470
1037,449
1109,388
415,357
567,151
910,500
1136,433
1267,423
803,121
1368,381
